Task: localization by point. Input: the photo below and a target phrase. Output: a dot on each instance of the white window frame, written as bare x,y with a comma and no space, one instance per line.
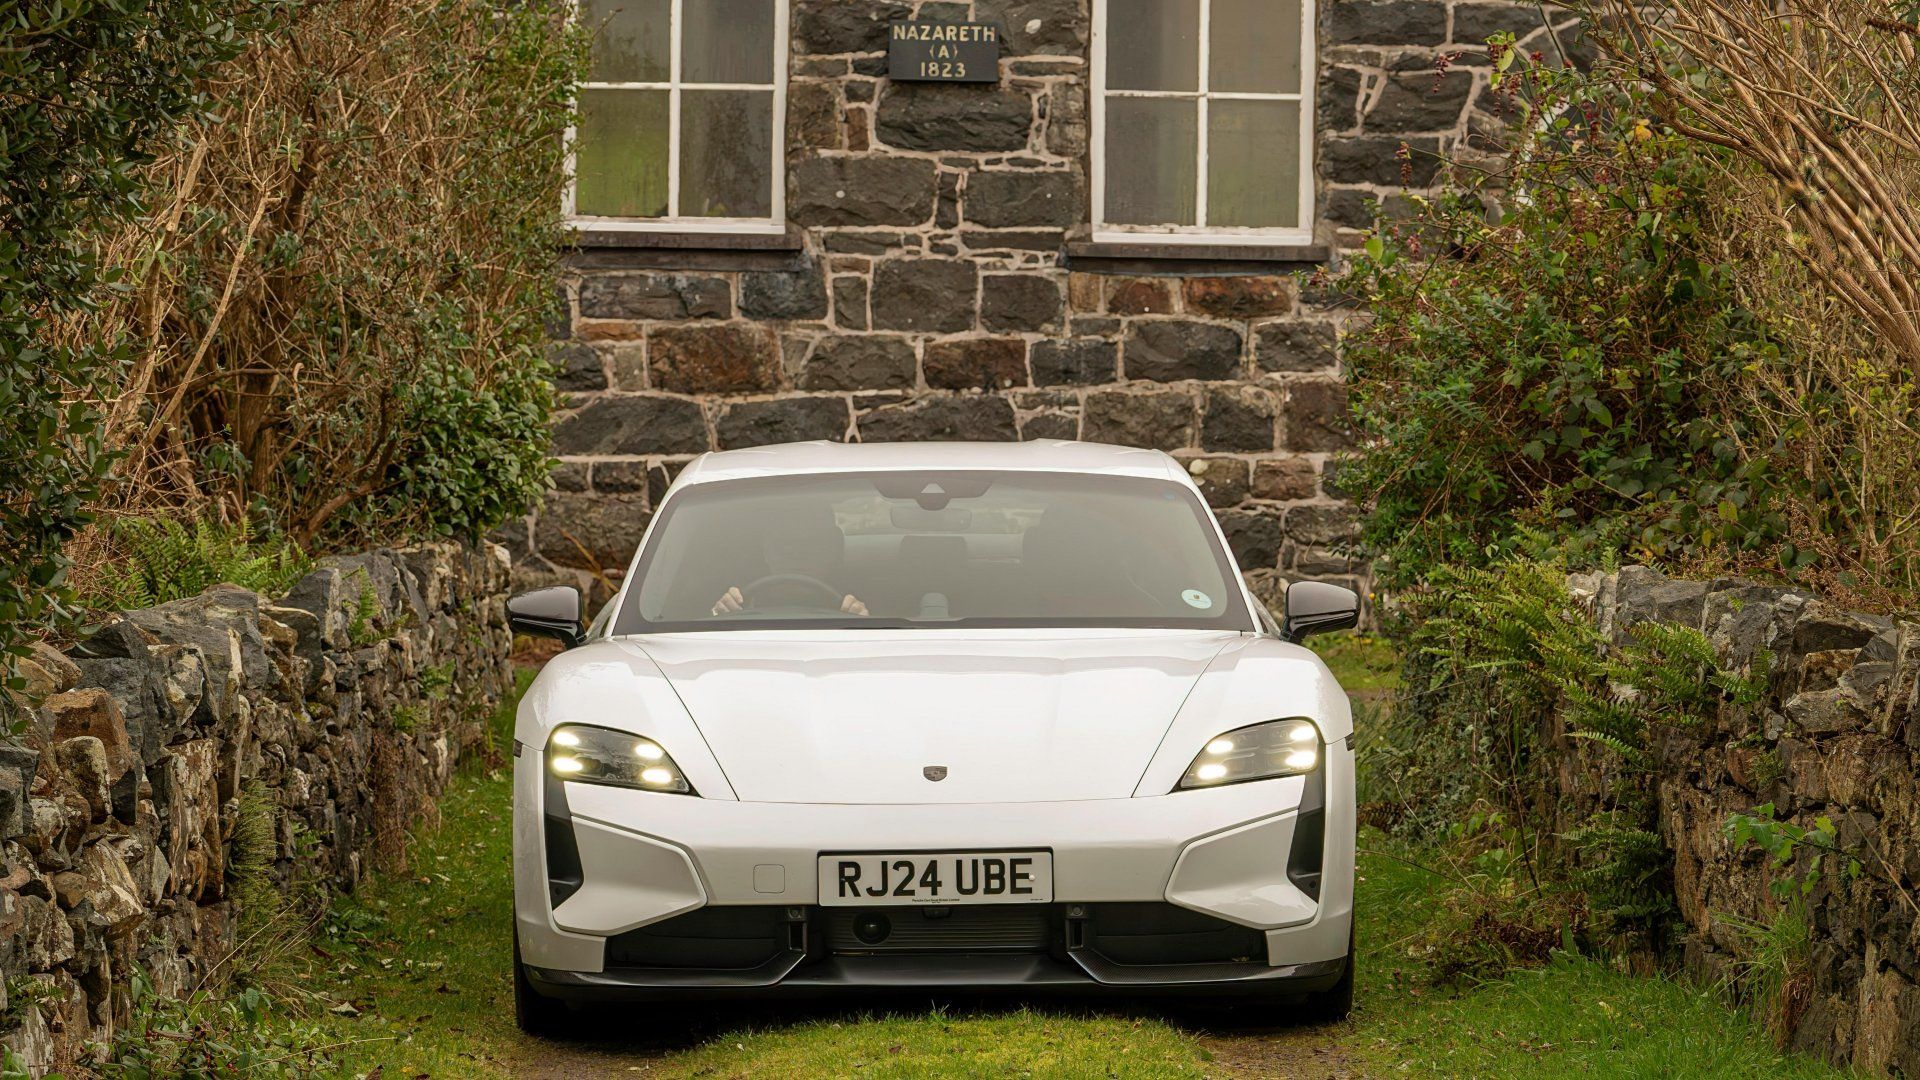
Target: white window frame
774,224
1105,231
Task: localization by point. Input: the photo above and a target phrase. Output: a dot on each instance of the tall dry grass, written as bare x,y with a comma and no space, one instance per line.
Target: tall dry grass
338,296
1817,106
1819,95
1840,415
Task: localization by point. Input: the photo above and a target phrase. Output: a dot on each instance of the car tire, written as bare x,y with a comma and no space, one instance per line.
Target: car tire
534,1012
1333,1004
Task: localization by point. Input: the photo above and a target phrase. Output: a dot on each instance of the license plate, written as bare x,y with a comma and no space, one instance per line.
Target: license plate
974,877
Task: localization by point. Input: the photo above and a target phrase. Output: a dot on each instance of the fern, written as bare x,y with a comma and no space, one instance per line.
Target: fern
1676,663
435,679
164,559
361,630
1633,754
1746,689
1622,867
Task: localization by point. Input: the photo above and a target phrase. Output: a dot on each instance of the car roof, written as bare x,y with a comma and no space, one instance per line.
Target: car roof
1047,455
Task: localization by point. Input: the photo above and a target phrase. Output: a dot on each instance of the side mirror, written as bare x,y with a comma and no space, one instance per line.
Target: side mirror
551,612
1315,607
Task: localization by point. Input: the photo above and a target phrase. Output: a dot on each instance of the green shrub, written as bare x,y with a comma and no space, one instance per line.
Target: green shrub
84,87
478,453
1558,372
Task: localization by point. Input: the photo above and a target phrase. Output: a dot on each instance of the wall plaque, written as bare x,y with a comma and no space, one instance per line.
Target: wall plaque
943,52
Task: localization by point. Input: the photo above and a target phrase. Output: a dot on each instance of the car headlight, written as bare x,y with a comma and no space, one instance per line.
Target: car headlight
592,755
1275,748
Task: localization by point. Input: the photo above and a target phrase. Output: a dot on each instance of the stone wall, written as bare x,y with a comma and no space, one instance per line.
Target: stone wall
1838,736
334,713
933,285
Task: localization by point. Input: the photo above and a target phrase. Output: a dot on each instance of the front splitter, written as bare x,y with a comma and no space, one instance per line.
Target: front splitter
792,976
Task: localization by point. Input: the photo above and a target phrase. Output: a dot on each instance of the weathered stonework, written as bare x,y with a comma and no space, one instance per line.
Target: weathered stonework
337,710
1836,736
930,289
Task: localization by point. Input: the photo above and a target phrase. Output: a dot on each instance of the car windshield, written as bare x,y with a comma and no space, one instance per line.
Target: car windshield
933,549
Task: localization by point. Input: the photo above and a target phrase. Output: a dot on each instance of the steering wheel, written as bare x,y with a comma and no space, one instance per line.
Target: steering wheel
826,591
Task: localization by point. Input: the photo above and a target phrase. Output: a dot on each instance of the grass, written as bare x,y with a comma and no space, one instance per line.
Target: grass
1576,1016
1366,665
413,970
413,977
1019,1042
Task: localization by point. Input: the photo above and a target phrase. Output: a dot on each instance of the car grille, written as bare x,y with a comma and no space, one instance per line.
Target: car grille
960,928
745,937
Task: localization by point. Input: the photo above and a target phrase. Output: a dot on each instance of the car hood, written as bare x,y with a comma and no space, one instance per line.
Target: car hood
796,717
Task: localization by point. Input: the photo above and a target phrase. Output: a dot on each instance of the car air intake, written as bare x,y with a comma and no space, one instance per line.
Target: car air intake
564,876
716,938
1309,836
1153,934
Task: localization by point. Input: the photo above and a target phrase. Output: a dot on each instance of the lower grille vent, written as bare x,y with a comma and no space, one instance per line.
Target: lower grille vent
995,928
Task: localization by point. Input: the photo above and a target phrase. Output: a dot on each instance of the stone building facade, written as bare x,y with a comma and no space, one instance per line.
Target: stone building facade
936,272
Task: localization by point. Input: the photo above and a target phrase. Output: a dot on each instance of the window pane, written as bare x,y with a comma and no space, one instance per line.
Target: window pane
1253,173
630,40
1254,46
726,153
727,41
1151,160
1153,44
620,154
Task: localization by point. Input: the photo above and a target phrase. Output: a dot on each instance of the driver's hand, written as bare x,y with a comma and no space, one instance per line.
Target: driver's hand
851,605
731,601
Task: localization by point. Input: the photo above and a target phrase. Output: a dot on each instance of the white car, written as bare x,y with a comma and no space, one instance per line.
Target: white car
943,717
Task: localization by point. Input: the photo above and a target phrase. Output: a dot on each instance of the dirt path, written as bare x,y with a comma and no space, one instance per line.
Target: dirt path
1295,1053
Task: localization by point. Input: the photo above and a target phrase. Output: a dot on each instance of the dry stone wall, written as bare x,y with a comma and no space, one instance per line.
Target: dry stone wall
334,713
1838,736
933,286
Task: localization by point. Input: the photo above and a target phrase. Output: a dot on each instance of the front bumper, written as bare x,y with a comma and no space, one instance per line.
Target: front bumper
1230,858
